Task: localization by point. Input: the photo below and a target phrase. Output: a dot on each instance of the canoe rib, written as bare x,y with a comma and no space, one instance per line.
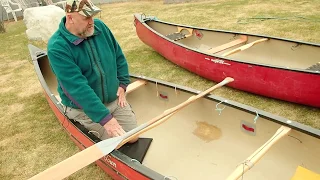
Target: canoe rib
244,47
259,153
242,39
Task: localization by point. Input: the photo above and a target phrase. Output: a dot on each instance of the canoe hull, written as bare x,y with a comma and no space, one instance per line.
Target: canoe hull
284,84
198,128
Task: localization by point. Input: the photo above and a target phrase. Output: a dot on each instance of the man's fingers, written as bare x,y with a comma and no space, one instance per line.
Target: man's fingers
122,131
110,134
117,133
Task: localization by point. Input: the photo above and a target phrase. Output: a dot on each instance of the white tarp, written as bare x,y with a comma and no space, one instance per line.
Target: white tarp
42,22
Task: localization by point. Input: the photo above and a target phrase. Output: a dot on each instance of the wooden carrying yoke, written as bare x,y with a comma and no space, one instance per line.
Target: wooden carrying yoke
244,47
259,153
222,47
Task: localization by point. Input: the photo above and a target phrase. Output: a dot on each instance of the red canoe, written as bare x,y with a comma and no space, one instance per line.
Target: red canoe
269,66
199,142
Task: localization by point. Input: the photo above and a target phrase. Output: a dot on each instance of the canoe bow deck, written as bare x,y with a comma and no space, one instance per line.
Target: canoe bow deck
199,142
273,67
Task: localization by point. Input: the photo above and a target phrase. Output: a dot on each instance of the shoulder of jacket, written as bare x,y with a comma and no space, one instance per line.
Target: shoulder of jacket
57,41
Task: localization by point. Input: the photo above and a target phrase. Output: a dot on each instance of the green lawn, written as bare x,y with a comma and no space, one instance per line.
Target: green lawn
31,138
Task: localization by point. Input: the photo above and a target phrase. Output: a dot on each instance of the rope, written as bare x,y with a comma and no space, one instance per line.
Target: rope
262,18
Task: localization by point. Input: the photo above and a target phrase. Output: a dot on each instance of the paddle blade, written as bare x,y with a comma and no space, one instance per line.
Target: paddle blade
79,160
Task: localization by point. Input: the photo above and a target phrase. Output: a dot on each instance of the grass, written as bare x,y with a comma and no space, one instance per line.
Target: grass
31,138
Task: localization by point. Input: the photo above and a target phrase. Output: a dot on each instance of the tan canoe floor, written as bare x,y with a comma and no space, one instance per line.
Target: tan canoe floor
207,132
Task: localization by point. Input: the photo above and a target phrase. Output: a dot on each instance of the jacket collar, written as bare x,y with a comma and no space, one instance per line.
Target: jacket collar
71,37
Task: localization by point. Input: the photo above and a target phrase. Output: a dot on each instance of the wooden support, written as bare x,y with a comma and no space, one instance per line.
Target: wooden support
242,39
259,153
183,28
135,85
244,47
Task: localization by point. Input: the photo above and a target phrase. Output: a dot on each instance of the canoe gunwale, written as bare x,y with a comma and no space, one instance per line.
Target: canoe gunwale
144,22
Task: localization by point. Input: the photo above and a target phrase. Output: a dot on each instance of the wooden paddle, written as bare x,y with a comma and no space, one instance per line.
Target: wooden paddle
97,151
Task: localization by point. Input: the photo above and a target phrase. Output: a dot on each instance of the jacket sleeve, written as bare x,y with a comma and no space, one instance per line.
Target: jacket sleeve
122,65
75,85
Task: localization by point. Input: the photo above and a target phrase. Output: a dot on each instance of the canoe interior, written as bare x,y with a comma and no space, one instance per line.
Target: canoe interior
198,143
272,52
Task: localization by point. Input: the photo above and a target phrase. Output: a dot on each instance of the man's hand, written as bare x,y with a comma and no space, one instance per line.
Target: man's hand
113,128
121,97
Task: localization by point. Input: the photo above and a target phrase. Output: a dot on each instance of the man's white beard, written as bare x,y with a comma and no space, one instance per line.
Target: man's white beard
89,33
86,33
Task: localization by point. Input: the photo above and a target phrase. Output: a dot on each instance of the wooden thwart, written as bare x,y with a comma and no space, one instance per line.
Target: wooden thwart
242,39
244,47
135,85
259,153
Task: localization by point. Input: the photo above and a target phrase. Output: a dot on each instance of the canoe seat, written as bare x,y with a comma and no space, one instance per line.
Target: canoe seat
315,67
179,35
305,174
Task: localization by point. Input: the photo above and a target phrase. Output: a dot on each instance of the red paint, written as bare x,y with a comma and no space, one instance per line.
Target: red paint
293,86
163,96
247,128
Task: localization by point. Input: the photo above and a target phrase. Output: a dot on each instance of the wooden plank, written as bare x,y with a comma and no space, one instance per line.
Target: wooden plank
135,85
242,39
259,153
244,47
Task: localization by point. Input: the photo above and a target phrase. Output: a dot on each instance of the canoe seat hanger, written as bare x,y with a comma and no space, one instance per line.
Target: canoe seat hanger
294,47
220,109
255,119
157,88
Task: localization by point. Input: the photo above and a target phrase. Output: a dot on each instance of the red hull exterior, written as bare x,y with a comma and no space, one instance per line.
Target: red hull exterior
111,165
288,85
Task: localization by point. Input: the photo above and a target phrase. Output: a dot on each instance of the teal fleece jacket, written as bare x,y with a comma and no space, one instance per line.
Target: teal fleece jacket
89,71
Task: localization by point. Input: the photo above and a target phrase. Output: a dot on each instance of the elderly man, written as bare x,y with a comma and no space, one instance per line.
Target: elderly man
92,72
